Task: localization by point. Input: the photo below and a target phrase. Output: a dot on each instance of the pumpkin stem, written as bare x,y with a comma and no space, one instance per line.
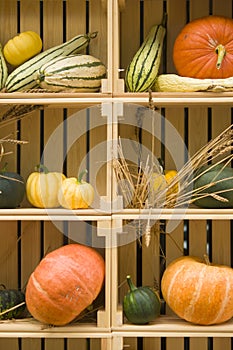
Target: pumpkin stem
221,52
41,168
207,260
81,175
132,287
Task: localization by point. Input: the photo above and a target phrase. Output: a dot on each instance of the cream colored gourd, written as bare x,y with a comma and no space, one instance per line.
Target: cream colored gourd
72,73
176,83
42,187
197,291
76,193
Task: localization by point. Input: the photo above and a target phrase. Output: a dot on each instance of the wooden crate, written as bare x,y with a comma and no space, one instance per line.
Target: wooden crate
91,141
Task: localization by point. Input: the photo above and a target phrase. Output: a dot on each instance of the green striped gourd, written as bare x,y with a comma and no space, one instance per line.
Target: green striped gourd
23,77
3,69
143,69
74,73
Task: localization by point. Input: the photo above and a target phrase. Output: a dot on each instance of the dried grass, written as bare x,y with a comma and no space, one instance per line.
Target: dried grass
135,183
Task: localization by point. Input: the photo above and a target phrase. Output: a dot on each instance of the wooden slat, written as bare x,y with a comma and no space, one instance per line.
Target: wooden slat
98,22
176,20
130,28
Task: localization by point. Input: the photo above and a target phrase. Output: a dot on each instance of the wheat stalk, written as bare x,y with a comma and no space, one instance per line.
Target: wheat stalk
136,185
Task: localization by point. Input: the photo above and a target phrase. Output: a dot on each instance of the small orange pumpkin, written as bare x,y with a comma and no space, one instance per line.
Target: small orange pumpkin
204,48
65,282
198,291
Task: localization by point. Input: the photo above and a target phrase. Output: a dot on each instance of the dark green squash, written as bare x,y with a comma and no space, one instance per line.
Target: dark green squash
8,299
220,193
141,305
12,189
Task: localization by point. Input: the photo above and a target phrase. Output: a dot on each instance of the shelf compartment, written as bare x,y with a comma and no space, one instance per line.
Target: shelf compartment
68,141
25,245
135,22
145,258
59,21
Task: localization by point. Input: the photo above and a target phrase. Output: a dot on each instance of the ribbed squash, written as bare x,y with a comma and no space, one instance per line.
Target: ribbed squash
42,187
76,193
11,299
198,291
12,189
204,48
73,73
22,47
141,304
213,186
65,283
143,69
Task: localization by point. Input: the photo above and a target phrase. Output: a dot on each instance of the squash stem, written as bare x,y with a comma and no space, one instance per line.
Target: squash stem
81,175
221,52
42,169
130,284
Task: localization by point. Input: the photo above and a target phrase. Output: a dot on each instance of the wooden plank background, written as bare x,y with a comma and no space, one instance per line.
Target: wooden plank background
27,242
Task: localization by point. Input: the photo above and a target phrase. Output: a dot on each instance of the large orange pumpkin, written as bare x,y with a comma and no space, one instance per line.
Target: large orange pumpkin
204,48
199,292
65,282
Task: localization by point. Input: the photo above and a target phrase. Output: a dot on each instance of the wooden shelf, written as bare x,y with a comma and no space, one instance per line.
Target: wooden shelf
166,326
35,214
59,214
163,326
84,99
31,328
174,214
177,99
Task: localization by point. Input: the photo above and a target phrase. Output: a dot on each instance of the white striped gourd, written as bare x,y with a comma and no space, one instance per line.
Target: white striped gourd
74,73
23,77
3,69
176,83
143,69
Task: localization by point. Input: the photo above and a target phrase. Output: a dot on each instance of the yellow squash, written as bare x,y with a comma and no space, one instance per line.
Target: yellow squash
75,193
42,187
22,47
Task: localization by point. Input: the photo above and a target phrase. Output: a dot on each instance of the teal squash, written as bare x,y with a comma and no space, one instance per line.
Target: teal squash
141,305
12,189
215,187
8,299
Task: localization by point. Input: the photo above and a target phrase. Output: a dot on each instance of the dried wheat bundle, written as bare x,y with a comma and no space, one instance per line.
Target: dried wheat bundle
136,187
134,180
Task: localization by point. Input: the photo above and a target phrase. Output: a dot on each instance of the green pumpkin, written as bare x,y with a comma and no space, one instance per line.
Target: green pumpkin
141,305
223,188
12,189
8,299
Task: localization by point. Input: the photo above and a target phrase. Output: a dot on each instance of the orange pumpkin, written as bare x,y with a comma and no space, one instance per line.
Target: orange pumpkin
65,282
204,48
199,292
